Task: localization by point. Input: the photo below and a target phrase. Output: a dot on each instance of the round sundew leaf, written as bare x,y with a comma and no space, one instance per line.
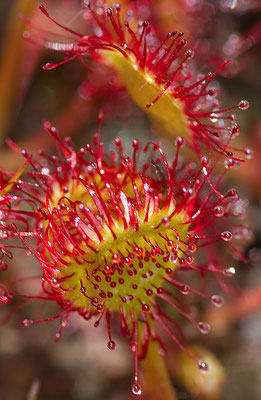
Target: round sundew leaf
126,271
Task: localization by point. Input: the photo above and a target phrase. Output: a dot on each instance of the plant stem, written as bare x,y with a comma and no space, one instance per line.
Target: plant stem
157,381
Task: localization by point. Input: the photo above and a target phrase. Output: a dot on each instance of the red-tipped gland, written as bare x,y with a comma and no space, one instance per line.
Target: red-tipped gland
243,105
203,327
6,297
43,9
219,211
203,367
136,389
249,153
218,301
226,236
111,345
229,271
27,322
232,193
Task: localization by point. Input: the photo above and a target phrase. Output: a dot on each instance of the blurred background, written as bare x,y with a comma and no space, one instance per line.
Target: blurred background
79,367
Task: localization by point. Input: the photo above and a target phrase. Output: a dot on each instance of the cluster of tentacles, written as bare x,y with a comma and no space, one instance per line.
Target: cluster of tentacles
113,231
179,100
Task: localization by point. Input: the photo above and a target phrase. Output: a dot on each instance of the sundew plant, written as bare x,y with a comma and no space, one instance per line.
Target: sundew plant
118,228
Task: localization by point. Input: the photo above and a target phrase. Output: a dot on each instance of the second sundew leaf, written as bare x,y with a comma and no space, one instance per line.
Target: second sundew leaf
167,112
180,101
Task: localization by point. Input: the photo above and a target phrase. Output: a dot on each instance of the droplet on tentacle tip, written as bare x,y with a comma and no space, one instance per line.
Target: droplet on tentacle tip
111,345
218,301
248,152
229,271
203,327
219,211
179,141
136,389
26,322
229,163
243,105
184,289
3,265
232,193
203,367
226,236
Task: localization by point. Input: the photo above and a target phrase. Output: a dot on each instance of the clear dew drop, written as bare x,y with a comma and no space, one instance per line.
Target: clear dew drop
110,12
248,153
111,345
219,211
5,299
203,327
204,161
213,117
166,221
48,66
229,163
55,283
184,289
192,247
226,236
189,54
218,301
174,258
126,162
45,171
145,307
136,389
190,260
243,105
179,141
26,35
64,324
232,193
229,271
203,367
26,322
171,244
